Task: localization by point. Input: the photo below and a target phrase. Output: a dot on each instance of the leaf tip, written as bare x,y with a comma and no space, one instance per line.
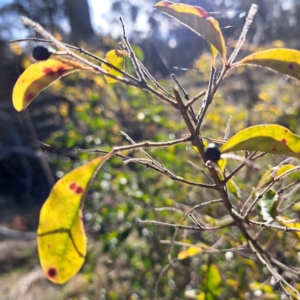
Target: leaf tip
52,273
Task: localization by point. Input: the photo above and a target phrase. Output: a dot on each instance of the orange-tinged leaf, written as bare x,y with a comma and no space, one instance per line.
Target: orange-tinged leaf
61,236
191,251
117,59
283,60
269,138
198,20
36,78
288,223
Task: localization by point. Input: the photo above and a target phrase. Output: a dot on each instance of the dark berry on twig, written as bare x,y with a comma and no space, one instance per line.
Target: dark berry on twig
212,153
40,53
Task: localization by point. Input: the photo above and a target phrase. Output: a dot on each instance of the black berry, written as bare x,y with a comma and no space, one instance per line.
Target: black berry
212,153
40,53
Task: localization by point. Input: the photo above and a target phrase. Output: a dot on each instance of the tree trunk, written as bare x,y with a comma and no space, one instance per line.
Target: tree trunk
80,21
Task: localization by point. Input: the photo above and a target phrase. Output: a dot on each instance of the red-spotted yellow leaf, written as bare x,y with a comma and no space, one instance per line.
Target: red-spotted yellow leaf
290,224
198,20
269,138
36,78
191,251
61,236
286,61
117,59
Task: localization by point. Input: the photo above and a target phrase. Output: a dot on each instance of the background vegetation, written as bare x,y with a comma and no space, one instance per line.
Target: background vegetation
83,111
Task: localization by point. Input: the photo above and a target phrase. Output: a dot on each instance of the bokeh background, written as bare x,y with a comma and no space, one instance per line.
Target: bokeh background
82,111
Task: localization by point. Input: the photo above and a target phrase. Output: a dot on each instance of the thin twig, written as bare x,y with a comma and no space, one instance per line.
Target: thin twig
277,227
162,272
178,226
206,101
94,67
186,95
249,20
133,57
154,81
149,164
260,195
202,171
209,250
194,99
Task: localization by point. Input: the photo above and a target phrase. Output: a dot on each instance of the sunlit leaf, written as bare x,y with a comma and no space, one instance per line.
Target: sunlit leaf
198,20
268,205
212,282
214,53
272,173
117,59
61,236
269,138
36,78
191,251
286,61
194,294
287,222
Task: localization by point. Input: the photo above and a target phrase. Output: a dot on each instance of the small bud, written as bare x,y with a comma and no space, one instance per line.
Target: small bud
212,153
40,53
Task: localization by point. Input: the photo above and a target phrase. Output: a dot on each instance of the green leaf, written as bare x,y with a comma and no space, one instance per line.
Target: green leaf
286,61
213,281
269,138
61,236
117,59
268,205
198,20
233,188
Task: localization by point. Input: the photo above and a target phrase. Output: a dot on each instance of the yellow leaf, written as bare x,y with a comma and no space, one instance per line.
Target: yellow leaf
61,236
191,251
36,78
276,171
283,60
222,164
198,20
287,222
117,59
270,138
214,53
